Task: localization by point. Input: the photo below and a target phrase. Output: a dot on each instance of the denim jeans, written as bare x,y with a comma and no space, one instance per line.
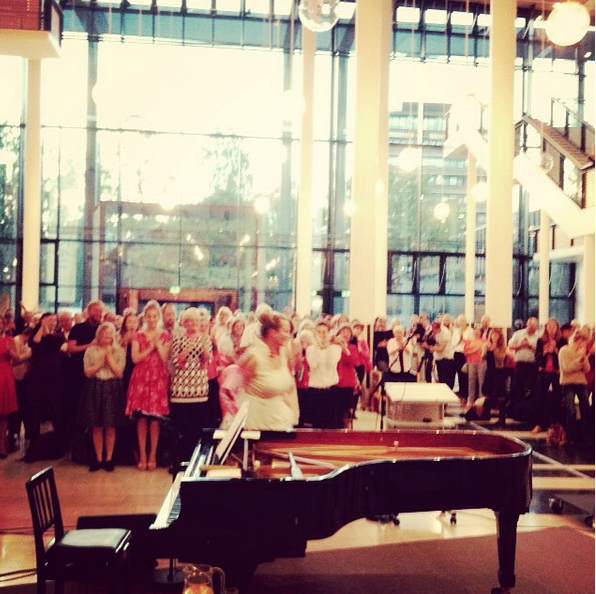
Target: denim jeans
570,391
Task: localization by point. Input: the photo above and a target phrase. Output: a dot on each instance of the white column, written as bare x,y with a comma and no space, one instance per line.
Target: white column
544,269
304,215
368,234
470,270
499,232
32,187
587,315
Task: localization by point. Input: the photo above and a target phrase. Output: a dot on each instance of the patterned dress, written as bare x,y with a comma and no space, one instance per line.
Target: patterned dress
149,382
8,392
189,376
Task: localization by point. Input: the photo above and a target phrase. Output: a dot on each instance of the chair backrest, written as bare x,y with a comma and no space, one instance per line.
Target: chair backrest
45,508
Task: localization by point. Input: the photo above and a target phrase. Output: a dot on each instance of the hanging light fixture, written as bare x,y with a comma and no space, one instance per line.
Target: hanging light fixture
262,204
480,191
441,211
567,23
409,158
318,15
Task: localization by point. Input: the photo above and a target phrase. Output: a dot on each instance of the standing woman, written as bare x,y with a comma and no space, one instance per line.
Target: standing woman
8,391
573,366
270,388
548,407
190,355
46,386
130,326
149,383
346,371
322,357
495,380
475,355
102,407
228,342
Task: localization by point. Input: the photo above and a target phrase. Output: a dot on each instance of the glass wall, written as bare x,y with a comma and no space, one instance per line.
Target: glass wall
11,142
170,158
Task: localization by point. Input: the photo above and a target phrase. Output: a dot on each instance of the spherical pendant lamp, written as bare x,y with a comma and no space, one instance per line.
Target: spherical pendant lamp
318,15
567,23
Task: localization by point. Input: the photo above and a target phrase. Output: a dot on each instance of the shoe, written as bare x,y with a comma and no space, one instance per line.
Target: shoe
537,429
94,466
142,466
151,466
108,465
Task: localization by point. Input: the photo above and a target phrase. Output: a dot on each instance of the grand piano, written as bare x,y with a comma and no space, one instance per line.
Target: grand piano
278,490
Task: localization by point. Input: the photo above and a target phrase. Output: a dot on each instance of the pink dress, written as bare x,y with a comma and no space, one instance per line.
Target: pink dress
8,391
149,383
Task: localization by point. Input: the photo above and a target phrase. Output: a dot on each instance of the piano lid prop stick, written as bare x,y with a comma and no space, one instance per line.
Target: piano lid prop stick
301,459
294,468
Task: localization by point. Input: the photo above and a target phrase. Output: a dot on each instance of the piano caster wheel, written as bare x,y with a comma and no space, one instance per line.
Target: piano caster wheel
556,505
453,519
395,520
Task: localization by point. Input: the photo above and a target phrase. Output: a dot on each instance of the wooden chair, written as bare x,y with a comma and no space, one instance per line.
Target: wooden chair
74,554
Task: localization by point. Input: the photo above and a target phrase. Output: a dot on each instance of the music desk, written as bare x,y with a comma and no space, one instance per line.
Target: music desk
418,403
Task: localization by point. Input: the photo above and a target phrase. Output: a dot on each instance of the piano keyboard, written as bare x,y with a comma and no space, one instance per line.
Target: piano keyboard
170,508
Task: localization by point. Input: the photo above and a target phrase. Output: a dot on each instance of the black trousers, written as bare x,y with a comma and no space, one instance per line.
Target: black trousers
446,371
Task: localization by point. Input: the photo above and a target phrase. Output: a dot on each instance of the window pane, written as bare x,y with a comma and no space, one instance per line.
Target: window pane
436,304
8,262
561,279
47,298
402,273
69,273
47,262
429,275
402,307
455,279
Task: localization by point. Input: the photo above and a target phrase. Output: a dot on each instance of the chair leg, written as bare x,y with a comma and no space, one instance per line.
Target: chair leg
41,584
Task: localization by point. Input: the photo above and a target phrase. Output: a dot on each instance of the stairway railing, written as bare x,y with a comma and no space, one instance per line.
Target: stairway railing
561,170
571,125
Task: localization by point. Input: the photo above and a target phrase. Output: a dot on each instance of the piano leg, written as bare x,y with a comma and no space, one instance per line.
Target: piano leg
506,540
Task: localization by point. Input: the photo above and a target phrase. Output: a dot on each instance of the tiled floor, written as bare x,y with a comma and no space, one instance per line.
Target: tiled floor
564,474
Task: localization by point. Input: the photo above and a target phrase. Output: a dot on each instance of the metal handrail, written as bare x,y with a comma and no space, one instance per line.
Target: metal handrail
559,162
579,118
584,127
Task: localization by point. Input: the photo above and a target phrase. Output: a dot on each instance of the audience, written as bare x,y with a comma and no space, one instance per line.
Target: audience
154,374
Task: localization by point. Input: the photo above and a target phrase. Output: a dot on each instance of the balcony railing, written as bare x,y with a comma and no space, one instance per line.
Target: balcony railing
32,15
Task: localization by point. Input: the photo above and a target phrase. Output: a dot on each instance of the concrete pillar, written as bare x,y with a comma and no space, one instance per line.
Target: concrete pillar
587,315
544,270
368,233
499,232
32,188
304,215
470,265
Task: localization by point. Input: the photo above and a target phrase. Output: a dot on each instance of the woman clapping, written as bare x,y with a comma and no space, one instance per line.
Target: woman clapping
147,396
190,355
102,403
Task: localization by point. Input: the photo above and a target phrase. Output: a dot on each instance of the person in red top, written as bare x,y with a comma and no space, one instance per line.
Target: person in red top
475,353
8,390
548,409
346,370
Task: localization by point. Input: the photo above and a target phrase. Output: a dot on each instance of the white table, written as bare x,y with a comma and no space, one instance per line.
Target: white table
417,403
